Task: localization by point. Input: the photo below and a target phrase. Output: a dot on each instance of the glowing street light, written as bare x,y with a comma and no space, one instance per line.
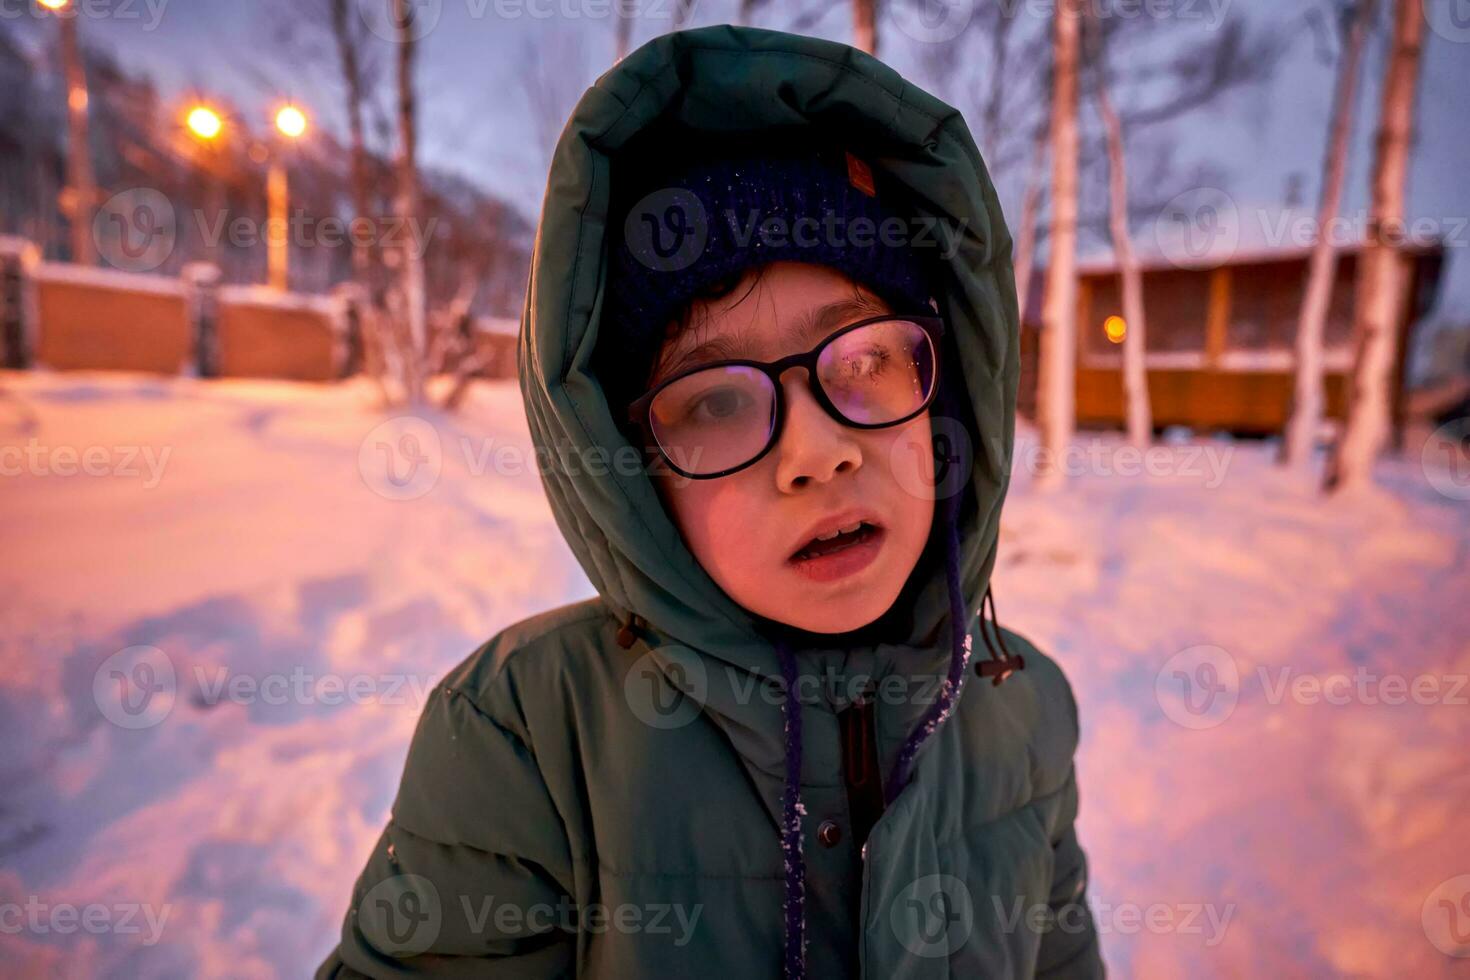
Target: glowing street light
291,121
204,122
1116,328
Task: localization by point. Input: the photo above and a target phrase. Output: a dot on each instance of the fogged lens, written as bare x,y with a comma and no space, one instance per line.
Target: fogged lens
715,420
878,373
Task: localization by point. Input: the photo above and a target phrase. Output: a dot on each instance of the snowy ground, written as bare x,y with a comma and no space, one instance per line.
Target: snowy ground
1253,802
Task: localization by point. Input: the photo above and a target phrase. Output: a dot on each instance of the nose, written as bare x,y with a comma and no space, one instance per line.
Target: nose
814,447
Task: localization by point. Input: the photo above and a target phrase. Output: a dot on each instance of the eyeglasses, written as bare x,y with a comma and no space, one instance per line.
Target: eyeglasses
719,418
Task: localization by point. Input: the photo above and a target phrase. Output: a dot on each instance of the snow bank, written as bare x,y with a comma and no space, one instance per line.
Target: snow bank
307,566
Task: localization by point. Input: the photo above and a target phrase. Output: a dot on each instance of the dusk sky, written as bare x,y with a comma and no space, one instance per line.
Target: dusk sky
477,118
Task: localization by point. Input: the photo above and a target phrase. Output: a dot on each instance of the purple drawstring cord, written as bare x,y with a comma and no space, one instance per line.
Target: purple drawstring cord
792,810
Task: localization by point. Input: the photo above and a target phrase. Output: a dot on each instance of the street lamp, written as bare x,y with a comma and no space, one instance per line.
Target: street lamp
291,124
81,183
204,122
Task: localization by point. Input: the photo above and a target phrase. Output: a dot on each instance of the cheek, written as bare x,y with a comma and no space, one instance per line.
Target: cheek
715,518
904,458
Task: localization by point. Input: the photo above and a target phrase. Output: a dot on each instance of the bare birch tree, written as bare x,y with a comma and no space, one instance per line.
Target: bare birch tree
1055,392
1138,411
413,299
865,25
354,81
1307,403
1382,270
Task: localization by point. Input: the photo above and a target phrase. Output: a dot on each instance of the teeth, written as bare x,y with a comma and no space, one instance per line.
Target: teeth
840,530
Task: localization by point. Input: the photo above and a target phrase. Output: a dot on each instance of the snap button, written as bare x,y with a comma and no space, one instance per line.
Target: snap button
829,833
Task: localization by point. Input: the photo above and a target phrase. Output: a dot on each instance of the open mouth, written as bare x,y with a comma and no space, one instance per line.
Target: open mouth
840,540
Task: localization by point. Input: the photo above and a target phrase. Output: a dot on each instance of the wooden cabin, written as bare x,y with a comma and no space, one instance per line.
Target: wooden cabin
1220,345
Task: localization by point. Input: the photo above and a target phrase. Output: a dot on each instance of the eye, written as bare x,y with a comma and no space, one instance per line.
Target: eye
867,363
719,404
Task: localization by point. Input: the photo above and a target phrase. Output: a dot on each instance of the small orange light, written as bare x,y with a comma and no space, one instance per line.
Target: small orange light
204,122
1116,328
54,4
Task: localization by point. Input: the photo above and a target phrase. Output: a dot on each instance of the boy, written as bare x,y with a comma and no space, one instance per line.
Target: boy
780,274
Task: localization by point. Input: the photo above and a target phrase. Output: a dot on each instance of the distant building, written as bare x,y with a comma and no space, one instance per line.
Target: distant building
1220,345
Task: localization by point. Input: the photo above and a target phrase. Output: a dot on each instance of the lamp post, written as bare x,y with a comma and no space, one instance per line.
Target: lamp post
81,190
290,124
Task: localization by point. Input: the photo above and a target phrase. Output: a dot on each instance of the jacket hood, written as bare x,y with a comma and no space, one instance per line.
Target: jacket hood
719,81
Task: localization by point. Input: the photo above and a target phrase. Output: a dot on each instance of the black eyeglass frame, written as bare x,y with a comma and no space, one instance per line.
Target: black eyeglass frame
933,327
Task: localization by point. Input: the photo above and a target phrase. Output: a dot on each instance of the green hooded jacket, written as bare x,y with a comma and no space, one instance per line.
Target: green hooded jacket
598,791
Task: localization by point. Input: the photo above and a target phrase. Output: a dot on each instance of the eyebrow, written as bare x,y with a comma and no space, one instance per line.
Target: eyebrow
810,325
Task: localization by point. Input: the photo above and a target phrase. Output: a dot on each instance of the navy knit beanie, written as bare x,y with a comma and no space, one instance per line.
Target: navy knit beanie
682,222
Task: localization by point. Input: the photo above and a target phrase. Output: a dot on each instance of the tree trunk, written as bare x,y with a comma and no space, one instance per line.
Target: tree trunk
361,194
1056,394
1383,273
865,25
81,185
623,31
1300,436
1026,236
415,303
1139,413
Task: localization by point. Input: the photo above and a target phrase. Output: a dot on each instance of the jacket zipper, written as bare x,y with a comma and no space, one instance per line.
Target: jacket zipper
863,781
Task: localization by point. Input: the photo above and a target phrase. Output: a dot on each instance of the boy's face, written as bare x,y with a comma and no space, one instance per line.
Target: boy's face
753,530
